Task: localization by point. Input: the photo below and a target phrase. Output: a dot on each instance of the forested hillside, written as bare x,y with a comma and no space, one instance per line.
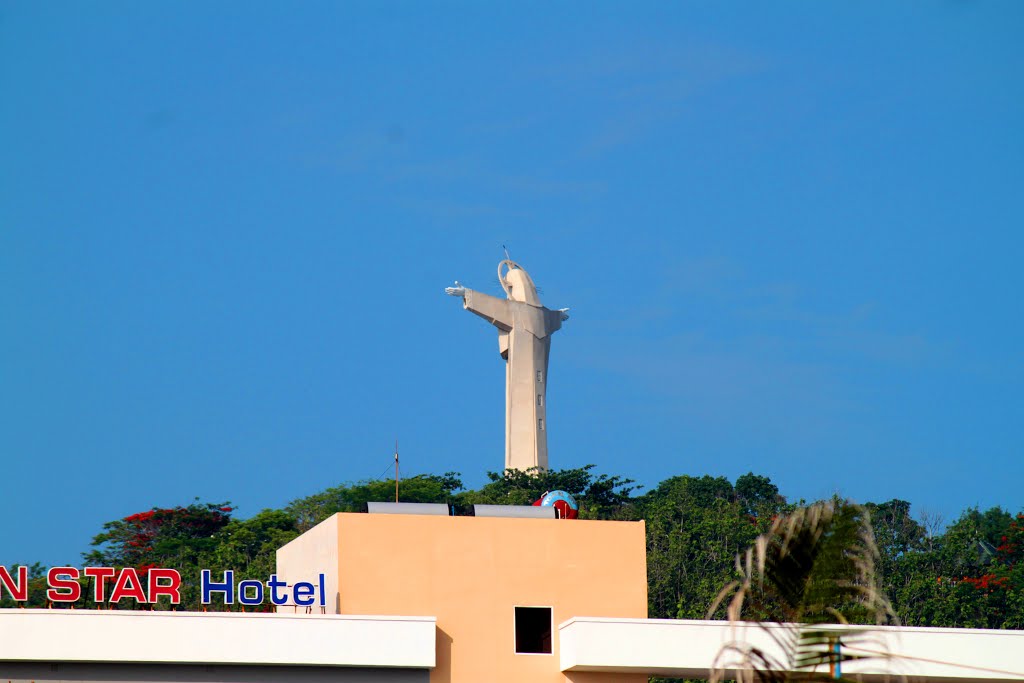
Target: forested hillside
967,574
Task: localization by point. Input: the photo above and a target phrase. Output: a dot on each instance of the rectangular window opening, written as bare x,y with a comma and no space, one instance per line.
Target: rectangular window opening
540,423
533,630
540,400
540,376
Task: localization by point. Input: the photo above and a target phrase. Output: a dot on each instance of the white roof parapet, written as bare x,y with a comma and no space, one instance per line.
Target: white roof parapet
64,635
687,649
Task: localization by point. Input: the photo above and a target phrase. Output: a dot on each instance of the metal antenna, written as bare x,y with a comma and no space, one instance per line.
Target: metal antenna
396,470
506,252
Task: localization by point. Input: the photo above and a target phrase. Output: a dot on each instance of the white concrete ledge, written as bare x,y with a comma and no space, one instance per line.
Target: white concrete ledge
62,635
688,649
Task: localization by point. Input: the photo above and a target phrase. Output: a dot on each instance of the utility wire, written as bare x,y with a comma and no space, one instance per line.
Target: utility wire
898,657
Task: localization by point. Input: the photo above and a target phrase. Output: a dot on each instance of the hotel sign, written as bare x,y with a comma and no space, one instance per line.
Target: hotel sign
147,586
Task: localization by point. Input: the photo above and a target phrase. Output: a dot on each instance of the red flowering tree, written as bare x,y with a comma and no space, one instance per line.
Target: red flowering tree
1005,568
161,537
972,575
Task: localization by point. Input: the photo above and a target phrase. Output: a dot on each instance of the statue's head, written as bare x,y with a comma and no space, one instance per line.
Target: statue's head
517,283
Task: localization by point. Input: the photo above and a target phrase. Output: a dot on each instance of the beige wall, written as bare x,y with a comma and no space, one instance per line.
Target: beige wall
471,572
307,556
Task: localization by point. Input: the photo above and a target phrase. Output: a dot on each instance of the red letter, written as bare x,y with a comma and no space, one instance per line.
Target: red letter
53,580
101,574
128,585
172,589
19,591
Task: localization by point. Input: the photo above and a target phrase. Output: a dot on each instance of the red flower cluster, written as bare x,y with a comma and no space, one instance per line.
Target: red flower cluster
1009,547
1008,555
141,517
143,529
147,525
987,582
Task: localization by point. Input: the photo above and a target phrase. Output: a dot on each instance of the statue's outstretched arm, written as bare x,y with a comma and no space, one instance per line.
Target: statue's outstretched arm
496,311
492,309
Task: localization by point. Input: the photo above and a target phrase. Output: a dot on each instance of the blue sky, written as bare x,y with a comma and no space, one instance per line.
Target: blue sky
789,233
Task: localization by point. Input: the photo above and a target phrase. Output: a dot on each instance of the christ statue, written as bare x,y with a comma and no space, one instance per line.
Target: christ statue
524,341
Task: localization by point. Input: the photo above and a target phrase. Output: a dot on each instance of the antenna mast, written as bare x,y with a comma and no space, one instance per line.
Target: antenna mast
396,470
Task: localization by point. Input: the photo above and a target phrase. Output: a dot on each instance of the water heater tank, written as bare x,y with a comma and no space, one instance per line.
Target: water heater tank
564,504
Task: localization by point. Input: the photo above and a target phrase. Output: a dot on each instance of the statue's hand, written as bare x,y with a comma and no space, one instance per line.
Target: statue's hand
457,290
563,313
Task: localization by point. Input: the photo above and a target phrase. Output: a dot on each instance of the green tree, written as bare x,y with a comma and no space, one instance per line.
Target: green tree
249,546
599,497
695,528
758,495
972,575
423,488
174,538
36,587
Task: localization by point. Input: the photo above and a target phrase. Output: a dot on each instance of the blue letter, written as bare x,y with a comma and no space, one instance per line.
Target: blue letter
245,599
323,592
302,591
227,587
273,585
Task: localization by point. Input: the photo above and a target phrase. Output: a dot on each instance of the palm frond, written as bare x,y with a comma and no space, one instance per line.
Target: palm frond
812,568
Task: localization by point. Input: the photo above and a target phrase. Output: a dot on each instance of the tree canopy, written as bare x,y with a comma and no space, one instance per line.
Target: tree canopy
969,574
